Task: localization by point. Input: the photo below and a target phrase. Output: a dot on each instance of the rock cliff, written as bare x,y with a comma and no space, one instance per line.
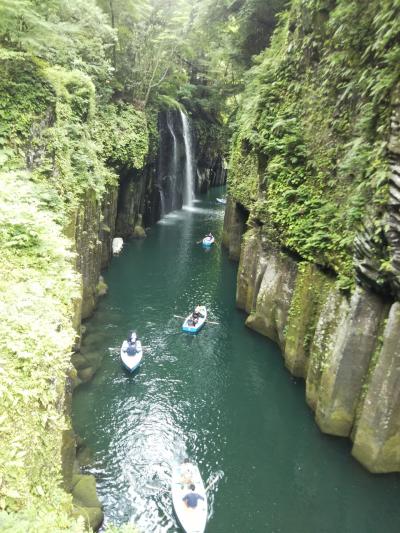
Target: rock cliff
314,173
345,347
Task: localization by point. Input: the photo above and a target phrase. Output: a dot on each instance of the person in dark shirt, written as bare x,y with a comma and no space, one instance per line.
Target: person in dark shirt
192,498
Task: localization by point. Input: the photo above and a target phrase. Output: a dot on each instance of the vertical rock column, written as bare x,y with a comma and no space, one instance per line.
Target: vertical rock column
107,227
377,434
250,271
310,292
272,301
234,227
324,341
88,247
347,367
130,203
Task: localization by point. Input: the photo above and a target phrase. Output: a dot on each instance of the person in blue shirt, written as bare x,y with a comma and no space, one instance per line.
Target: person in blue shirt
192,498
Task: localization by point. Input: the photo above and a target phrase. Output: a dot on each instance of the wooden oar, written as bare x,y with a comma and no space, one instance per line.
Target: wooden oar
159,490
211,322
178,316
212,483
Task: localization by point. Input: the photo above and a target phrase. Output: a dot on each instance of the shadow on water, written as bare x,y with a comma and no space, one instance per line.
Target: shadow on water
222,397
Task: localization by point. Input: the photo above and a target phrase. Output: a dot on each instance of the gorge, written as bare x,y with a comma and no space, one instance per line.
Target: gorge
116,120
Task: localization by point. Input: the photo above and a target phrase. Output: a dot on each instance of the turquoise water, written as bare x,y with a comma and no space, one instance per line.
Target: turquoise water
222,398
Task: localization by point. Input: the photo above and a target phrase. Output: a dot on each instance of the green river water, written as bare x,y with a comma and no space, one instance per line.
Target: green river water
222,398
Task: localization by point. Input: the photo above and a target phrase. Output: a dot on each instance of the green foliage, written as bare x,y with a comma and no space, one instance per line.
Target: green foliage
315,113
52,124
72,159
38,287
73,35
25,96
124,135
243,180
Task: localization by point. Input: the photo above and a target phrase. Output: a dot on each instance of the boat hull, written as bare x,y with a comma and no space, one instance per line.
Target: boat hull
188,328
131,362
191,520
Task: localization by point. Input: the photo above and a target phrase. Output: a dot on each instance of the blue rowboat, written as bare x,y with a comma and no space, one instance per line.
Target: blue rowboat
190,327
208,241
131,362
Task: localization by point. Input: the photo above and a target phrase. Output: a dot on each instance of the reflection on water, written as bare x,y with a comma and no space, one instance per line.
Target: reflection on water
222,398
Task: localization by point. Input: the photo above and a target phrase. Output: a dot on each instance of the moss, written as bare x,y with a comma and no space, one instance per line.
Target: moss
339,422
323,343
38,285
371,367
138,232
48,124
124,135
310,293
243,174
309,155
84,491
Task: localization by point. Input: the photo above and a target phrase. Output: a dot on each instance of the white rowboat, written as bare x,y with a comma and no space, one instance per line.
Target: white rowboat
192,520
131,362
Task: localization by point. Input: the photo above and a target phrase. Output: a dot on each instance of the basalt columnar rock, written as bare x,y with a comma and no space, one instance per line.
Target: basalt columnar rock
377,246
315,164
345,347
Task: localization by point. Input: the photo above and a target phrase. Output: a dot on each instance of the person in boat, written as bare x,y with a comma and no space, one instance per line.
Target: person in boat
192,497
195,317
198,312
130,346
209,237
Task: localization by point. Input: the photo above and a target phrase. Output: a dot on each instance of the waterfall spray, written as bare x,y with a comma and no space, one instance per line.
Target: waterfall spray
189,177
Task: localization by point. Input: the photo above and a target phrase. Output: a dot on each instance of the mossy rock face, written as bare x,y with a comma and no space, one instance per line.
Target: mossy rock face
84,455
376,435
93,516
84,491
272,301
85,500
342,381
310,292
79,361
335,307
250,272
68,458
138,232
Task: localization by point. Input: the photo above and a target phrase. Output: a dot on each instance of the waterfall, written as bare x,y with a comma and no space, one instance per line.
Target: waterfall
174,163
175,145
189,177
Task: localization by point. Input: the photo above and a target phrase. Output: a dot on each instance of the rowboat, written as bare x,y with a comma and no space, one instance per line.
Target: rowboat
221,201
192,520
208,241
131,362
188,324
